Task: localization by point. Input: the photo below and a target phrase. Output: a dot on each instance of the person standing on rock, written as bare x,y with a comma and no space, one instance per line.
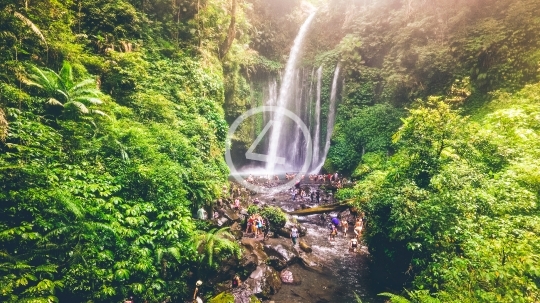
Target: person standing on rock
294,234
249,227
358,227
353,244
345,225
236,204
333,233
336,222
201,213
236,281
266,228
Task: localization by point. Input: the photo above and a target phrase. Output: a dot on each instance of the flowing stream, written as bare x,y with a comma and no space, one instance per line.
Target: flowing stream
342,273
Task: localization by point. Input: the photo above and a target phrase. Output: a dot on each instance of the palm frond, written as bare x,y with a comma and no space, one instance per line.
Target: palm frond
395,298
90,100
175,252
26,81
79,106
66,75
3,126
30,24
5,256
160,252
101,113
84,83
56,232
99,226
53,101
64,93
41,78
50,268
73,207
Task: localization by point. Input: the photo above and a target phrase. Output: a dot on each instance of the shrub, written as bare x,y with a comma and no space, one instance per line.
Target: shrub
275,215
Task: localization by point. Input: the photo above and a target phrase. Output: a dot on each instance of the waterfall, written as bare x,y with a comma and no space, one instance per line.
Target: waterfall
270,101
295,150
331,117
317,119
285,92
310,102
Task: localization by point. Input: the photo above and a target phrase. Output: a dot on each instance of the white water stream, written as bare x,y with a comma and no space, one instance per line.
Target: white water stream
331,118
277,142
317,135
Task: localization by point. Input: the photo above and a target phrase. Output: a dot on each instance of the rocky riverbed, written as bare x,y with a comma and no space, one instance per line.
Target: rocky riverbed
276,271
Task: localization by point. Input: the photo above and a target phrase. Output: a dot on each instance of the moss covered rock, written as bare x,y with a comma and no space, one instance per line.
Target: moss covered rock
242,294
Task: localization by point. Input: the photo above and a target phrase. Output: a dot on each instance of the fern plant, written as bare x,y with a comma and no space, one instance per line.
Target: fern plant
213,245
62,89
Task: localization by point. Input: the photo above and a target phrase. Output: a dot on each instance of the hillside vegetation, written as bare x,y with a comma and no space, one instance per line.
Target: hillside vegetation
113,123
439,125
113,135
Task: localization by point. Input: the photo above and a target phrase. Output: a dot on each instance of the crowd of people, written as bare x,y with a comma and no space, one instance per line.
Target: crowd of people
258,226
335,224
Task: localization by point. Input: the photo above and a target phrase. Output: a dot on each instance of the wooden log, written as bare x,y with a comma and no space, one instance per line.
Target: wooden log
305,247
341,206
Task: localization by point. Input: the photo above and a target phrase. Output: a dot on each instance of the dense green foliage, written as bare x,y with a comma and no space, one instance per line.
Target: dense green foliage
275,215
113,122
457,206
452,201
393,52
113,134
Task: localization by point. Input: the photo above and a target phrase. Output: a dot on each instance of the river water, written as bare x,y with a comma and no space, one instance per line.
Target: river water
342,273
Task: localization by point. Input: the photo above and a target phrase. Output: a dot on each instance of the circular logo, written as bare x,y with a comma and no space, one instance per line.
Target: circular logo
264,158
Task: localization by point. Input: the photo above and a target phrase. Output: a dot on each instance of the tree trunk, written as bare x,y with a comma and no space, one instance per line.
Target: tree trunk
226,44
322,209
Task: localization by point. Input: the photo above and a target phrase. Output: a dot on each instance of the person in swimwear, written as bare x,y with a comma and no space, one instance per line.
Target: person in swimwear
353,244
358,227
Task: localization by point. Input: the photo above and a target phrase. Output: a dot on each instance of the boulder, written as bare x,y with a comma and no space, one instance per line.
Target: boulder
221,221
284,232
310,262
236,226
238,234
253,254
231,215
282,252
236,231
302,230
264,281
286,277
276,263
241,294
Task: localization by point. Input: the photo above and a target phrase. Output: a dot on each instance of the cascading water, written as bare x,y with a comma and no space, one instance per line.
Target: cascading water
293,90
271,100
317,135
331,118
277,140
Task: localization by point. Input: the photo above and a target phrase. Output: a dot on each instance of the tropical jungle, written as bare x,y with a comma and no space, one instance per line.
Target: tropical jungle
115,121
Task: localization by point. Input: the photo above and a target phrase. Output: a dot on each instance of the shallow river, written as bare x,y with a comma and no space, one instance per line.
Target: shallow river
343,273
